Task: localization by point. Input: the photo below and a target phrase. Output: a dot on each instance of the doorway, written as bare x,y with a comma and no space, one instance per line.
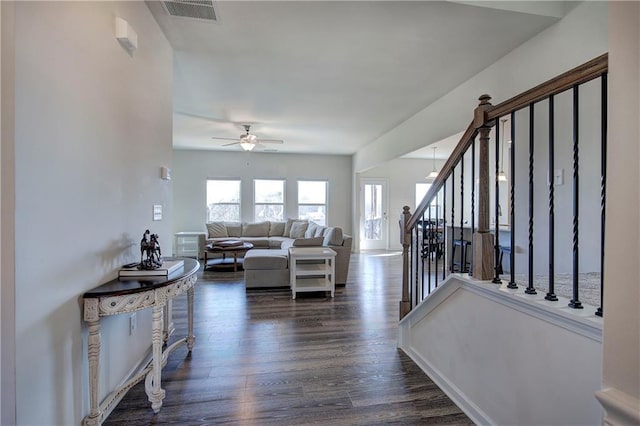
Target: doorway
374,224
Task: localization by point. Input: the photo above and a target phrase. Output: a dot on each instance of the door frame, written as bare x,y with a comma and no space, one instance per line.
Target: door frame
384,242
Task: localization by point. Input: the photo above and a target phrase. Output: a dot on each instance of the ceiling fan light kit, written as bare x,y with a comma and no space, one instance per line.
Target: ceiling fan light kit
249,141
247,146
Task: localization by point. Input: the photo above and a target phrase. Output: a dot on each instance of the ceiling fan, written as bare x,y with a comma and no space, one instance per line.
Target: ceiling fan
248,141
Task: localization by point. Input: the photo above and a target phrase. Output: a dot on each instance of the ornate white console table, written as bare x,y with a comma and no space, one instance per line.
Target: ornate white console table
126,295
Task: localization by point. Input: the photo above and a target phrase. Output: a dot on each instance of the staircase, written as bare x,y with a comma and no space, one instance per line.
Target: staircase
500,252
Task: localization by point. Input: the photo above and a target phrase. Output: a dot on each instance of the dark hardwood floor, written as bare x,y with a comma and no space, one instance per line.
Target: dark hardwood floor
262,358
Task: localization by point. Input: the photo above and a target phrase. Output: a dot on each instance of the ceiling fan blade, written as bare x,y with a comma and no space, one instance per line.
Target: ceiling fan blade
232,143
279,141
225,139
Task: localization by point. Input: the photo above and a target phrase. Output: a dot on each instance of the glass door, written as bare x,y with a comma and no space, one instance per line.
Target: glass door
374,226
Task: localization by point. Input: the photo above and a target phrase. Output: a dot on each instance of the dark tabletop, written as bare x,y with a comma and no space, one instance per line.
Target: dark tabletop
130,285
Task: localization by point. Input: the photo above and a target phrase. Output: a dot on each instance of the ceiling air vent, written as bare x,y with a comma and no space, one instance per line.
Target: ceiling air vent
196,9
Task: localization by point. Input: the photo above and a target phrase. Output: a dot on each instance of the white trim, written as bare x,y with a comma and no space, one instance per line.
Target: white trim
472,411
621,408
556,313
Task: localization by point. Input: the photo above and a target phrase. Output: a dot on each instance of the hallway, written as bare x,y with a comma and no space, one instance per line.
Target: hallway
262,358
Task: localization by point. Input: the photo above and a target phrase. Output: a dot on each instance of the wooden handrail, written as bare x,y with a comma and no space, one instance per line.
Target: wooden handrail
581,74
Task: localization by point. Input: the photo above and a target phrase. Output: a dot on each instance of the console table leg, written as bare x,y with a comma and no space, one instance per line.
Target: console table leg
169,327
153,381
191,339
93,351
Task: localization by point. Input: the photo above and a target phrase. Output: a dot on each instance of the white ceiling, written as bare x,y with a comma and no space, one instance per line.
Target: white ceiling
330,77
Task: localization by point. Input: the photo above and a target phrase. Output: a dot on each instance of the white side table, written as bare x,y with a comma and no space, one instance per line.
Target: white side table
312,269
187,244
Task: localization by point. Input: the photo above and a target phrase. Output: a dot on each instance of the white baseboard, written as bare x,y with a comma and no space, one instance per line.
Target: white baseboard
460,399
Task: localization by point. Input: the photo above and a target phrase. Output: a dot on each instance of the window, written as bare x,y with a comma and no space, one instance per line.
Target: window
268,200
421,191
223,200
312,201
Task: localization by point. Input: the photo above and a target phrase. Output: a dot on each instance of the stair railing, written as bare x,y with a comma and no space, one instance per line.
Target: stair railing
433,234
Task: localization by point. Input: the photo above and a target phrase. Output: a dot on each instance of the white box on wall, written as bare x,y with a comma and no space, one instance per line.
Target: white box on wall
127,37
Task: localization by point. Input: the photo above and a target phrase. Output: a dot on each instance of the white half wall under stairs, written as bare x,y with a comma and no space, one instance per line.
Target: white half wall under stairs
507,358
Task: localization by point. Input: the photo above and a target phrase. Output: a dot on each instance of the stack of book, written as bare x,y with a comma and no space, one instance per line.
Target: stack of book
228,243
168,266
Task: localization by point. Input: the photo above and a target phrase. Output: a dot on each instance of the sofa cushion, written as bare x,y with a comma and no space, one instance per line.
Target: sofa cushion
234,229
311,230
333,237
266,259
287,226
298,229
260,229
308,242
320,230
217,230
276,242
276,229
258,242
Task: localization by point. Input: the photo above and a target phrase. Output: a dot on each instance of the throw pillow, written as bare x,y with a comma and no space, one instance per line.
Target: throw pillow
308,242
260,229
234,229
298,229
276,229
320,231
287,226
311,230
333,237
217,230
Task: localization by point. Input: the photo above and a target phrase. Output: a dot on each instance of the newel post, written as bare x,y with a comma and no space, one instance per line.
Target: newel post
483,239
405,239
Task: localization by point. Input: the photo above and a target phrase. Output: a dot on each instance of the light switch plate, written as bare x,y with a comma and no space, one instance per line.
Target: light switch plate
157,212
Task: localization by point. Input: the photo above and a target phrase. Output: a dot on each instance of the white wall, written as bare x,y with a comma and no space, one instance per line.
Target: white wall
578,37
192,168
621,375
92,128
7,218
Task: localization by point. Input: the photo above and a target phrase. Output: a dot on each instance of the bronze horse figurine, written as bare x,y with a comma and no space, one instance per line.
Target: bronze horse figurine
151,247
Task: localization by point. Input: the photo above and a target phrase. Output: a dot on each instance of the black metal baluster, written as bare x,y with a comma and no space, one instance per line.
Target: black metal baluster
453,217
473,198
435,274
530,289
603,183
551,292
426,234
444,230
575,302
419,255
496,256
463,249
512,203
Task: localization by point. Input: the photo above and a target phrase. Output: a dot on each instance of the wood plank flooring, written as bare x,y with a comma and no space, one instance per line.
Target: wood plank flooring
262,358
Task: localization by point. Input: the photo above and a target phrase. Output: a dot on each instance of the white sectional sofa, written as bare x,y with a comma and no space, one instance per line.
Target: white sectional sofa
267,264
